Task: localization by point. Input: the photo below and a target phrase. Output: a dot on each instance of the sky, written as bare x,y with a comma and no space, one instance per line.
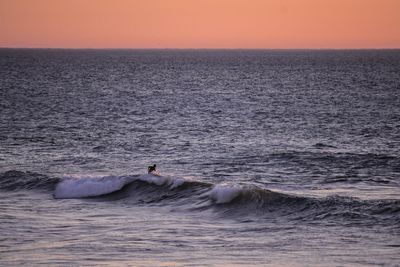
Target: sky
269,24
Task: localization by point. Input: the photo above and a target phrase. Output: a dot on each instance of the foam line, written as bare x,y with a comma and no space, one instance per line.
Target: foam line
80,187
88,186
224,193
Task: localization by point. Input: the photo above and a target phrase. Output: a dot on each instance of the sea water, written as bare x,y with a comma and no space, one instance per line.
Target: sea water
264,157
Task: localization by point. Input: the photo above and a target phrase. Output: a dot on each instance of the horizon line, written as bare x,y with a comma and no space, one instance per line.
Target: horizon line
198,48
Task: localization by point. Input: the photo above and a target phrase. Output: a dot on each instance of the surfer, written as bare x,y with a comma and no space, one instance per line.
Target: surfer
151,168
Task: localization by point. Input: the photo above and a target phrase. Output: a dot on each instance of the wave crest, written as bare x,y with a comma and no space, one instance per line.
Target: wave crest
82,187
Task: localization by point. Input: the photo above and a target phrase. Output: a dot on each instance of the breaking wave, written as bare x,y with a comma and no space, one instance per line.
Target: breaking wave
235,200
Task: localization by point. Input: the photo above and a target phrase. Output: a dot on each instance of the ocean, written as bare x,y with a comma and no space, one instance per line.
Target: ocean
264,157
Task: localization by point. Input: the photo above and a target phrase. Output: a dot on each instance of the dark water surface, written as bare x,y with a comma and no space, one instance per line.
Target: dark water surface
269,158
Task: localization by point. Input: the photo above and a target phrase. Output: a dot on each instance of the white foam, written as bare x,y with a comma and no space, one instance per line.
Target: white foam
224,193
176,182
71,187
153,179
157,179
79,187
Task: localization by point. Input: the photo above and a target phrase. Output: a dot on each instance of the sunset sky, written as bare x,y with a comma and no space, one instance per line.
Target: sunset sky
200,23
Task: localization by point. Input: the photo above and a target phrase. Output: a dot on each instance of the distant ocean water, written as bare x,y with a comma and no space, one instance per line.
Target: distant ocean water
265,157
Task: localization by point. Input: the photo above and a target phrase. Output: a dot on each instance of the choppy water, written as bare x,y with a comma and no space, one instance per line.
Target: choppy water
265,157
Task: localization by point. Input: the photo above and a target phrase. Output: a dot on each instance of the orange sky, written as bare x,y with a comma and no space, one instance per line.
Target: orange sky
200,23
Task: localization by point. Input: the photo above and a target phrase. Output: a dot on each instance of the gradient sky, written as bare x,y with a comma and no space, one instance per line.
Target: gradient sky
200,23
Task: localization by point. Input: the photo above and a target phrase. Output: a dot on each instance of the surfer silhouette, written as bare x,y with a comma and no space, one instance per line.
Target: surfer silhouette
151,168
